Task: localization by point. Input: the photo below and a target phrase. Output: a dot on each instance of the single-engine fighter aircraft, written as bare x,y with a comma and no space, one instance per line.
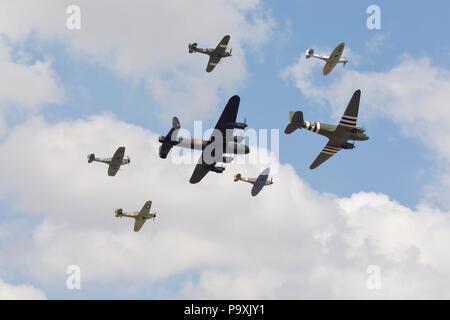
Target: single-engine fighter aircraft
215,55
331,60
139,217
221,142
258,183
339,136
117,160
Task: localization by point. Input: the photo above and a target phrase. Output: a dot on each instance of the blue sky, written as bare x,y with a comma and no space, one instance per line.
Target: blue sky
99,80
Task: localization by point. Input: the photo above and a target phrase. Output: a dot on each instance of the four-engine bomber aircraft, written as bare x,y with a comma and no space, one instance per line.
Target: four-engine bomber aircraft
139,217
331,60
114,163
258,183
338,135
215,55
221,142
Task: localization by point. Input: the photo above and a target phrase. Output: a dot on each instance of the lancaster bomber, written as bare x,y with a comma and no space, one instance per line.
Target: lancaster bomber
258,183
331,60
221,142
339,136
117,160
215,55
139,217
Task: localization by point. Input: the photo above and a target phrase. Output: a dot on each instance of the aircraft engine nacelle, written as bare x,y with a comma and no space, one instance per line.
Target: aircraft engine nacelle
348,146
227,159
309,53
119,212
236,125
217,169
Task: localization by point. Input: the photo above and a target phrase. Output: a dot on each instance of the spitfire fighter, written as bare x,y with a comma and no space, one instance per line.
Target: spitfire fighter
331,60
215,55
339,136
117,160
216,148
258,183
140,217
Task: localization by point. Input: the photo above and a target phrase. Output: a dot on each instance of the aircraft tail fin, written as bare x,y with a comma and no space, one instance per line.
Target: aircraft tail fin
91,158
237,177
118,212
296,122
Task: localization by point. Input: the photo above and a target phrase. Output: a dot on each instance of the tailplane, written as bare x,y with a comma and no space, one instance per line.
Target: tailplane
296,122
91,158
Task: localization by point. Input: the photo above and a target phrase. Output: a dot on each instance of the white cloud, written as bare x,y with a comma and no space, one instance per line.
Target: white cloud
19,292
147,41
289,242
25,87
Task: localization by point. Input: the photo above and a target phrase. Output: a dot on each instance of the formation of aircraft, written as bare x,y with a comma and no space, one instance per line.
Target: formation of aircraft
222,144
140,217
258,183
217,149
215,55
330,61
114,163
338,135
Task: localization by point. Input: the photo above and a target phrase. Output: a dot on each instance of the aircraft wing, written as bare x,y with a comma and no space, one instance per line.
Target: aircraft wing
229,115
212,63
116,161
334,59
333,146
200,171
348,120
138,223
142,216
222,46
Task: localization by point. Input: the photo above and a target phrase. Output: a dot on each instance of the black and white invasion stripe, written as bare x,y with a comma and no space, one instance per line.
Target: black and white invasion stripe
331,150
348,121
312,126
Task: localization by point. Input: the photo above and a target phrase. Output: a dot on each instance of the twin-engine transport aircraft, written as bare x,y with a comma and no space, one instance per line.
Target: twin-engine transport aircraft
258,183
139,217
221,142
215,55
114,163
338,135
331,60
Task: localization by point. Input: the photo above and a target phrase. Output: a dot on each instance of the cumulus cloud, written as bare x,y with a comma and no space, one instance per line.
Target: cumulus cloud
289,242
25,86
147,42
20,292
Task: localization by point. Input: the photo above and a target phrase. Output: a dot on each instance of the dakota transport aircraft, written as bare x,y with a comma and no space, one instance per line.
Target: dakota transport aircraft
331,60
221,142
215,55
117,160
338,135
140,217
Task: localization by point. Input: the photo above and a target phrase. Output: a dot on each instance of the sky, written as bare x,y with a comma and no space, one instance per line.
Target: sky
120,78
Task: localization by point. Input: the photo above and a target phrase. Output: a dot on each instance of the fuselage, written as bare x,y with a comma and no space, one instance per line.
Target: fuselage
211,52
230,147
329,131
